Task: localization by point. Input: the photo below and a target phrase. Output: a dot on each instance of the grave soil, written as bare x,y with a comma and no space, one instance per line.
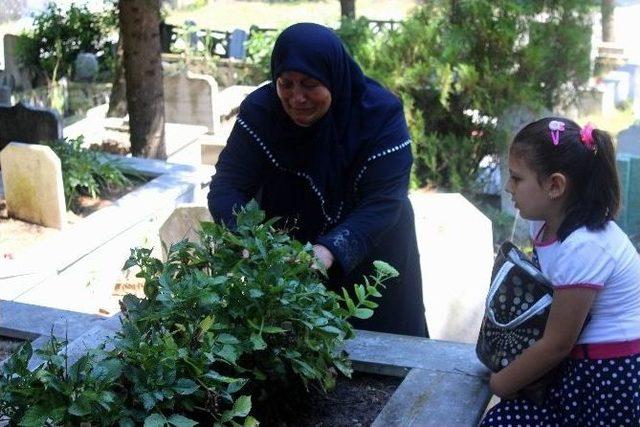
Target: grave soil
354,402
17,235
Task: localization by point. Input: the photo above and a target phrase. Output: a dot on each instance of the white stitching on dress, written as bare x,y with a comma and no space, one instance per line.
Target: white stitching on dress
271,157
377,156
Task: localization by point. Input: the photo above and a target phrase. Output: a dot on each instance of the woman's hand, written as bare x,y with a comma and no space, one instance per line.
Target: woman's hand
323,255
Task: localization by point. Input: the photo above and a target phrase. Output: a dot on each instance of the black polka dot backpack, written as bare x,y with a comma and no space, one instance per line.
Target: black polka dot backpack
516,309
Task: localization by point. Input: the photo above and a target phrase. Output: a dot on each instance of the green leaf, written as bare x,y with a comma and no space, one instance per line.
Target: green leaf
363,313
236,385
185,386
242,406
272,330
181,421
205,324
332,330
360,293
250,422
373,291
347,299
155,420
386,269
228,353
80,408
227,339
255,293
258,342
35,416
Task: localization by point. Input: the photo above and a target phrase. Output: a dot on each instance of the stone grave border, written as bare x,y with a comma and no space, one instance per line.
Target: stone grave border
443,381
171,184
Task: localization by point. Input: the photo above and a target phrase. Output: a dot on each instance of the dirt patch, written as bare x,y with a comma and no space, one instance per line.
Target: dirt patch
354,402
17,235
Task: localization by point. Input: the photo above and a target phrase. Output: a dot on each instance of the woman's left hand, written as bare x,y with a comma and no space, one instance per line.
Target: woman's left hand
324,255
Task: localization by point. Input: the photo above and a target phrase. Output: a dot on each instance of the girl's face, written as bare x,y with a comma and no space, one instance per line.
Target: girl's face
530,196
303,98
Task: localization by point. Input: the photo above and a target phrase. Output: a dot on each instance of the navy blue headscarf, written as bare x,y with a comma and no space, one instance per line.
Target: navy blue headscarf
332,150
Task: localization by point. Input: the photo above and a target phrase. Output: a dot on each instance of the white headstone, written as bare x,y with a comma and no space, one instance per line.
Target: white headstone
32,178
456,257
191,99
183,223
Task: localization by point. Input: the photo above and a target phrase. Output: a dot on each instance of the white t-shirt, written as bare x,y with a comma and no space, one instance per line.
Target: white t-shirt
604,260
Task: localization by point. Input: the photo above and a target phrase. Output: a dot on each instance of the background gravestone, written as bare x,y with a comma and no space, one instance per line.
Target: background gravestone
628,162
183,223
17,78
456,256
25,124
5,95
32,179
237,42
629,141
191,99
629,216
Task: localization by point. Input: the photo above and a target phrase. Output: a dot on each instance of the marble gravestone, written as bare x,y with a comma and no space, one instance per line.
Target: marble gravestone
183,223
32,179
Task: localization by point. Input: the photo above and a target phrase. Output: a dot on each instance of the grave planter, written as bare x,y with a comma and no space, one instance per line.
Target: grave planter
442,383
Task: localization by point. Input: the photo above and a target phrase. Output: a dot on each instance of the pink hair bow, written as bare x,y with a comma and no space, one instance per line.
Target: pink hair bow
586,136
555,127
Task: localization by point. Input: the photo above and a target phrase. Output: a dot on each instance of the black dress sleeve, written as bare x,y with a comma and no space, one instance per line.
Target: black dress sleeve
238,175
380,193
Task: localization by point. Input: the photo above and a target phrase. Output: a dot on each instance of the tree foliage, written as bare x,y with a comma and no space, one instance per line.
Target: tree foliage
459,65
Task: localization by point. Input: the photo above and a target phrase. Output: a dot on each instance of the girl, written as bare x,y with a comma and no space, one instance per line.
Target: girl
564,179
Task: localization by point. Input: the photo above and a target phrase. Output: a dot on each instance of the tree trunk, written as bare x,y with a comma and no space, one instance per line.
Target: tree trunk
140,26
348,9
606,9
118,98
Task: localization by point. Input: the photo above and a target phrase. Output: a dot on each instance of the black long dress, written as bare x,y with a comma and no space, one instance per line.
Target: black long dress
341,183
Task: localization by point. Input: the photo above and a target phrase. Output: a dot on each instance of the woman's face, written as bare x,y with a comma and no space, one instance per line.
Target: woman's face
303,98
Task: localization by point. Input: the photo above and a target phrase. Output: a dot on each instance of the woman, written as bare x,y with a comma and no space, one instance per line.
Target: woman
327,149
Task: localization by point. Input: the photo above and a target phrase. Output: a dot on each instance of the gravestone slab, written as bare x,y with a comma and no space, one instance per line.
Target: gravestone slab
183,223
237,47
191,99
456,256
32,179
629,216
26,124
629,141
16,77
5,95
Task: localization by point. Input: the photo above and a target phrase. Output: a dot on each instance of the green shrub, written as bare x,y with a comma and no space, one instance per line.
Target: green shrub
50,47
259,47
224,323
85,171
459,65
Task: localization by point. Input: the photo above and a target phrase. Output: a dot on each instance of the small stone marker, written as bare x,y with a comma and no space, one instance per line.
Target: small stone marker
32,178
456,256
183,223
